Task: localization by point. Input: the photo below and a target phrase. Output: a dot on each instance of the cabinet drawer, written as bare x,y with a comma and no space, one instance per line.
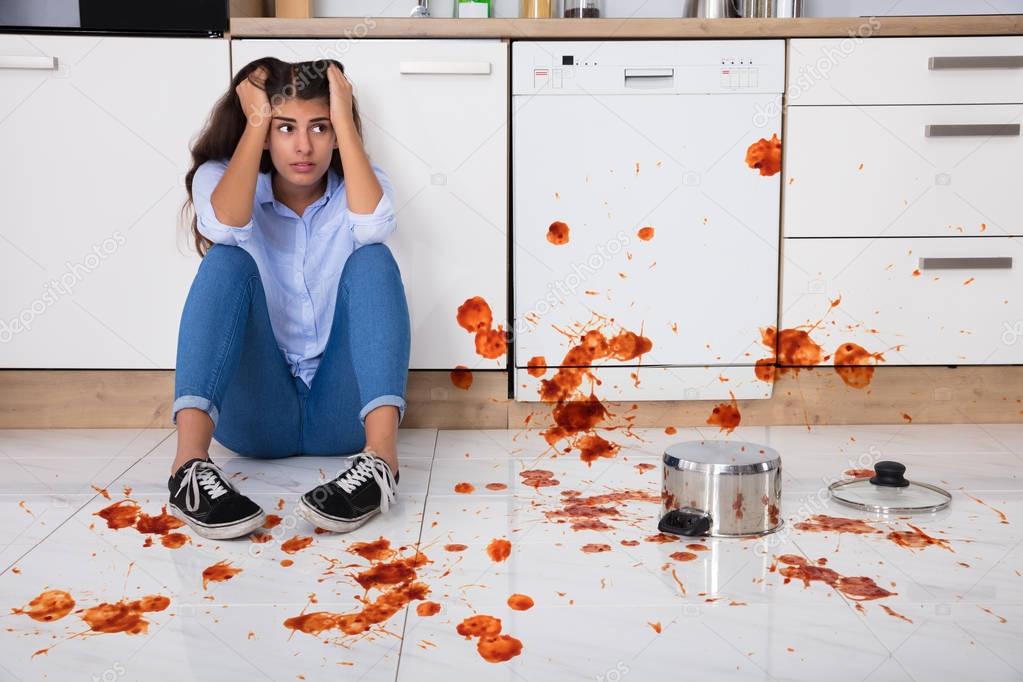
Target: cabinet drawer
906,71
925,301
903,171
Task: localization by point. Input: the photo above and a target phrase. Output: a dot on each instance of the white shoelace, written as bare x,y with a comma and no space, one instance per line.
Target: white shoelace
205,474
370,466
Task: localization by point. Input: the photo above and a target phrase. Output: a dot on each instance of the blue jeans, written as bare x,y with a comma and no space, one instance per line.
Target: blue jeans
229,364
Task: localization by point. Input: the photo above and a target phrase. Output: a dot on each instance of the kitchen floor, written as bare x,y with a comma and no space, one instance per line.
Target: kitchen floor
581,590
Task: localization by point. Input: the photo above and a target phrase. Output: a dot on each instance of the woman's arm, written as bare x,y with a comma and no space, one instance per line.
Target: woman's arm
233,197
361,184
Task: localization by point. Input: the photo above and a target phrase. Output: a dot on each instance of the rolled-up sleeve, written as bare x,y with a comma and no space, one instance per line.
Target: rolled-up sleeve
375,227
205,180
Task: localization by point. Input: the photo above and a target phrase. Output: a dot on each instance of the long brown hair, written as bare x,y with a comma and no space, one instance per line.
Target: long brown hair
226,123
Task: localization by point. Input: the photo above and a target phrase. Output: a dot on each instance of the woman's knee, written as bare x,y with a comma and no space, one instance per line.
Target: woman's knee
233,260
371,258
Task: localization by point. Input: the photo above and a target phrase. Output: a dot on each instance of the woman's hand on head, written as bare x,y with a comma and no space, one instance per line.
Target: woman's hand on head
340,96
254,101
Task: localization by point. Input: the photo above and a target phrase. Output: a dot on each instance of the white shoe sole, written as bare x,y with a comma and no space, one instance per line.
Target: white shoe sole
228,531
327,523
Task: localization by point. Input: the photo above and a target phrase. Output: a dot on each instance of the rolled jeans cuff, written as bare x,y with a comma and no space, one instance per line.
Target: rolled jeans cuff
395,400
196,401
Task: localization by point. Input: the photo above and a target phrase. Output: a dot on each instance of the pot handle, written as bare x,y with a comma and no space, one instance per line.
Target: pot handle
685,521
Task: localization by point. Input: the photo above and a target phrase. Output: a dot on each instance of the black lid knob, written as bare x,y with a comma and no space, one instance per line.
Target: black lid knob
889,475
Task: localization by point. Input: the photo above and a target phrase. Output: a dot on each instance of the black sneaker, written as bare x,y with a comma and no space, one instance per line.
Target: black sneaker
358,493
202,497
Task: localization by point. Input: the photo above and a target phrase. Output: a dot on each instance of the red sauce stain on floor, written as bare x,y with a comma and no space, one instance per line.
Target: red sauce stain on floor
538,478
101,491
476,317
656,627
661,538
595,548
427,609
537,366
1001,515
373,613
917,539
464,488
895,614
644,467
629,543
272,521
855,365
175,540
858,473
374,550
461,377
645,233
492,646
161,524
593,447
765,155
695,547
858,588
726,416
296,544
454,547
520,602
499,549
124,616
49,606
121,514
822,523
1000,618
594,512
682,556
557,233
496,486
218,573
287,562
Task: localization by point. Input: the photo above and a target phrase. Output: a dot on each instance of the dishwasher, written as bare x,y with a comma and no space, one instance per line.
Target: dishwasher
645,205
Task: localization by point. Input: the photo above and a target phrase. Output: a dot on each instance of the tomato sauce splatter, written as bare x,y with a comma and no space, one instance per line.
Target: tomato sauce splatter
595,548
121,514
499,549
175,540
645,233
670,430
520,602
461,377
682,556
855,365
765,155
1001,515
49,606
857,588
492,646
917,539
656,627
895,614
464,488
296,544
726,415
476,317
101,491
272,521
454,547
218,573
124,616
595,512
427,609
858,473
537,366
538,478
496,486
557,233
822,523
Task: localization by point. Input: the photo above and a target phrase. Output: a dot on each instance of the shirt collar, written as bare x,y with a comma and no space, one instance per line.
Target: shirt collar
265,191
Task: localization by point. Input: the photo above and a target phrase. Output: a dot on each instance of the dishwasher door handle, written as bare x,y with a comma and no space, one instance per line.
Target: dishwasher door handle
967,263
20,62
649,77
971,130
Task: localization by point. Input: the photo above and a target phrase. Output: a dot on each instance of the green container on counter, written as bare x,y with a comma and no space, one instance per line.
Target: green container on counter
474,9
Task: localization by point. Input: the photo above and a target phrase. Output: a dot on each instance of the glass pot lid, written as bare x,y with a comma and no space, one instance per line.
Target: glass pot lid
889,492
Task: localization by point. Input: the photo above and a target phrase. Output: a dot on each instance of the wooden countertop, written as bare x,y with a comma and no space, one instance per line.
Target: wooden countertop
605,29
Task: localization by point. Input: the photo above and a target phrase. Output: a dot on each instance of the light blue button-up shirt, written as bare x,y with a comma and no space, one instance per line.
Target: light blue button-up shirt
300,258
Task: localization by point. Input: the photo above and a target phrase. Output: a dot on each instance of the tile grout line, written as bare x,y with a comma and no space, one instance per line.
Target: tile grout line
419,541
86,503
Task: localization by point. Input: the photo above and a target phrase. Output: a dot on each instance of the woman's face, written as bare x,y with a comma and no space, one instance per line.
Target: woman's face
301,140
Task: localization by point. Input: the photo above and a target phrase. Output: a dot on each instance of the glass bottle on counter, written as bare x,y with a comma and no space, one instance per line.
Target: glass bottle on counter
473,9
535,9
584,9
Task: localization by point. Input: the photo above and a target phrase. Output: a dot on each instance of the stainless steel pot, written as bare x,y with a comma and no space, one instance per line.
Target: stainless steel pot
710,9
769,8
721,489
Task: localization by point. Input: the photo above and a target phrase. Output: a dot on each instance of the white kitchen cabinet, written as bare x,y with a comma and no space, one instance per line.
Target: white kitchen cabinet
434,117
955,70
897,300
94,266
900,171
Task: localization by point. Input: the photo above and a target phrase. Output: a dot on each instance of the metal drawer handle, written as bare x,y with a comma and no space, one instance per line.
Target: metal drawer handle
975,263
17,62
445,68
989,62
649,73
971,129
